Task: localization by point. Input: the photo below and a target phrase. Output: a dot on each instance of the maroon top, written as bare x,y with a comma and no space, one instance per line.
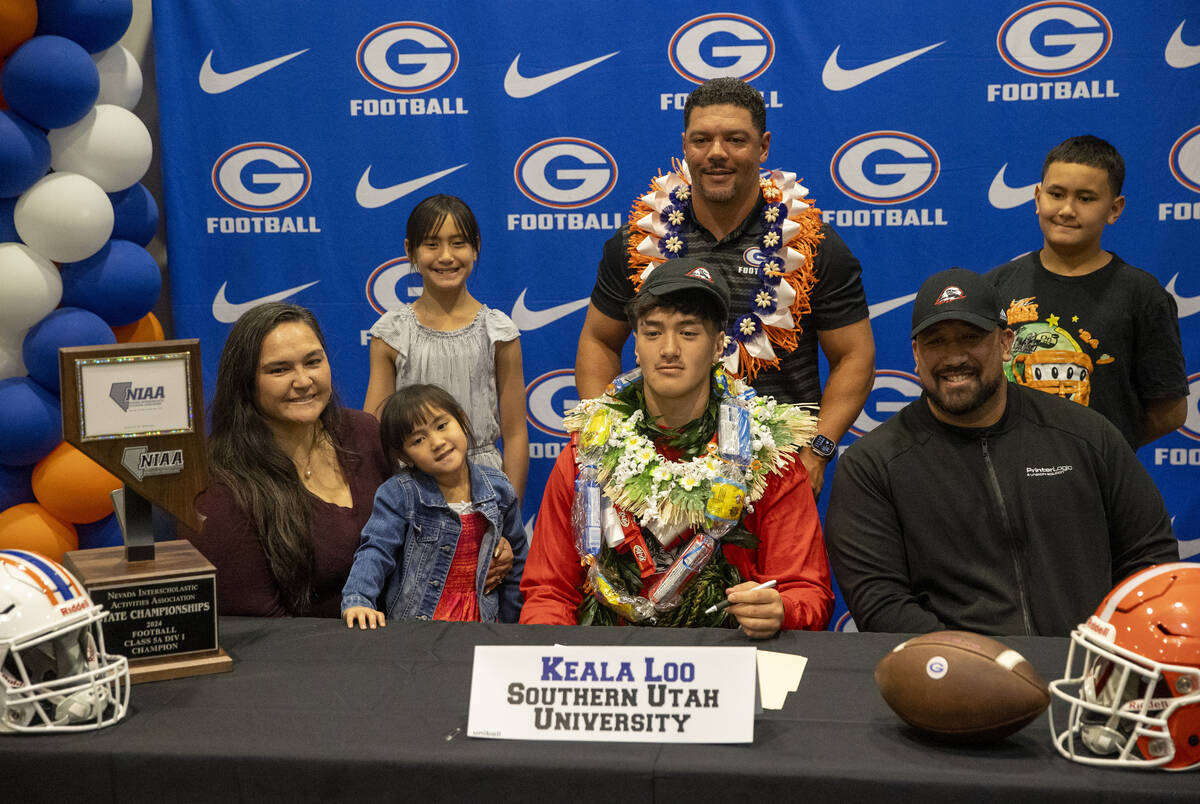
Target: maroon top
245,584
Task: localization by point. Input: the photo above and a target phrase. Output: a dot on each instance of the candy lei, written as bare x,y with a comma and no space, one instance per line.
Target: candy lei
668,496
791,231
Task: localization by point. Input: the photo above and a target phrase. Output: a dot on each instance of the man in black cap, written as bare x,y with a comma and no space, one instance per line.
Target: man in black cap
986,506
657,456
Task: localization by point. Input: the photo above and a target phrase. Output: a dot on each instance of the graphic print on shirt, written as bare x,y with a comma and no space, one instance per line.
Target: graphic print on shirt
1048,357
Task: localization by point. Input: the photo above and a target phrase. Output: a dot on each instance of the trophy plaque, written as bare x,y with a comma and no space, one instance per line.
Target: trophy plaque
137,410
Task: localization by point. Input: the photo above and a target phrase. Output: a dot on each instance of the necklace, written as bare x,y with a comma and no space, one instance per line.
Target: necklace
660,221
668,496
318,441
673,494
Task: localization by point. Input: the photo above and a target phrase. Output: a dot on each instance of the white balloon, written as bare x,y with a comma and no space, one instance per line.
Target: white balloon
120,77
64,217
11,362
110,146
32,288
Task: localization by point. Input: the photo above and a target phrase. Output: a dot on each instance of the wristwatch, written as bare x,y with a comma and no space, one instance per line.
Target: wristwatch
823,446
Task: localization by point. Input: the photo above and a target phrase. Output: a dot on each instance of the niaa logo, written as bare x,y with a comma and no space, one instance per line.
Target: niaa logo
407,57
718,45
1054,39
1185,160
549,397
885,167
383,285
891,391
565,173
261,177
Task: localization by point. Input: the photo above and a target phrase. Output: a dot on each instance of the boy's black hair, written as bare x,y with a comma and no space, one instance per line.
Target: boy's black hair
1092,151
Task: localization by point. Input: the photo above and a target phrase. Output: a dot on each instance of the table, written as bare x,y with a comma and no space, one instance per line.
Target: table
316,712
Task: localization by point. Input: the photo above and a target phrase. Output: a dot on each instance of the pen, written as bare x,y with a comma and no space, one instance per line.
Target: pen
724,604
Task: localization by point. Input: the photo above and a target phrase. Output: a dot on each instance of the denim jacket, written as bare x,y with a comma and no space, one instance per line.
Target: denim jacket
409,542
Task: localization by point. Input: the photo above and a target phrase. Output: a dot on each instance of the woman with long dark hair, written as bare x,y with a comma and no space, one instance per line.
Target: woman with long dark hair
293,472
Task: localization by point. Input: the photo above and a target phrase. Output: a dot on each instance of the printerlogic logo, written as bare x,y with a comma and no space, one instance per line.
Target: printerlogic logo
885,168
718,45
261,177
1053,40
1047,471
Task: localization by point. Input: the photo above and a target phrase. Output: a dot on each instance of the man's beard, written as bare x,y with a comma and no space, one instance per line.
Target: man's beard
959,404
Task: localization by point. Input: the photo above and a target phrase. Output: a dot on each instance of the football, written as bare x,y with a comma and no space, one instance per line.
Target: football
961,686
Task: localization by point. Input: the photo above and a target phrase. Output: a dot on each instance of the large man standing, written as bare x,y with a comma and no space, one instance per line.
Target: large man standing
794,283
674,483
985,505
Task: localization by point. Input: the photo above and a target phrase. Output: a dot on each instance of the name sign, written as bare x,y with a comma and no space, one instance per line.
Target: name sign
603,693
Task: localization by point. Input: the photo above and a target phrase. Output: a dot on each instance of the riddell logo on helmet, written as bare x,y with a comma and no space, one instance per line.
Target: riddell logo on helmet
78,605
952,293
1096,625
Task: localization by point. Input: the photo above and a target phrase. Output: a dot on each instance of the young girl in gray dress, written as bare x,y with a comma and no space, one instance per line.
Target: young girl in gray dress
448,338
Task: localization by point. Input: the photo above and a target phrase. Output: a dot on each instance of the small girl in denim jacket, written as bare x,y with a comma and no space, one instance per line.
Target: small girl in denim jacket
425,551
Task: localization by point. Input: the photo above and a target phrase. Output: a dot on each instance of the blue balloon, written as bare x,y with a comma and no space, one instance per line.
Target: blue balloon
135,214
120,282
8,229
50,81
24,154
66,326
30,422
101,533
94,24
16,486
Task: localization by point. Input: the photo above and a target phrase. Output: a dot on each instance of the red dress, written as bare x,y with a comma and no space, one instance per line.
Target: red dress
459,601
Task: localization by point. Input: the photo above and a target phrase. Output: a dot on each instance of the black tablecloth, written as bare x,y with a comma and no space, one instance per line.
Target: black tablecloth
315,712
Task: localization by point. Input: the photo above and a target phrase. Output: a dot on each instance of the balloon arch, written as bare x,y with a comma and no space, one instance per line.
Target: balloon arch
74,271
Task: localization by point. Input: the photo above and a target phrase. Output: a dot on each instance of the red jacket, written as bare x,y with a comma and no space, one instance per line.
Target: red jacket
790,549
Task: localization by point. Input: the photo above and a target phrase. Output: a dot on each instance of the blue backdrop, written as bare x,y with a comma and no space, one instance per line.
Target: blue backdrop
298,136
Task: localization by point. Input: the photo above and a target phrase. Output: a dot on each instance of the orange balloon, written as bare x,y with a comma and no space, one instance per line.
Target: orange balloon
72,486
146,328
18,21
29,526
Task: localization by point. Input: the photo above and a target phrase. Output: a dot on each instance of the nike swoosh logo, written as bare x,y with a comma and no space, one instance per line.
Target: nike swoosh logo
227,312
1001,196
214,83
879,308
1180,55
1188,305
370,197
520,86
527,319
838,79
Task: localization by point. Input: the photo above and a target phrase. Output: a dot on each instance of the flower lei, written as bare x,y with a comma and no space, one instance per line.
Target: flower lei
669,496
791,232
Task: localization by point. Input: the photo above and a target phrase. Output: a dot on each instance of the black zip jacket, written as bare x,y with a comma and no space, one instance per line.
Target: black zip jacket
1019,528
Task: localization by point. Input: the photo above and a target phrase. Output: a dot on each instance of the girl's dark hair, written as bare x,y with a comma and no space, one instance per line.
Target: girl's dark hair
244,456
427,217
409,408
